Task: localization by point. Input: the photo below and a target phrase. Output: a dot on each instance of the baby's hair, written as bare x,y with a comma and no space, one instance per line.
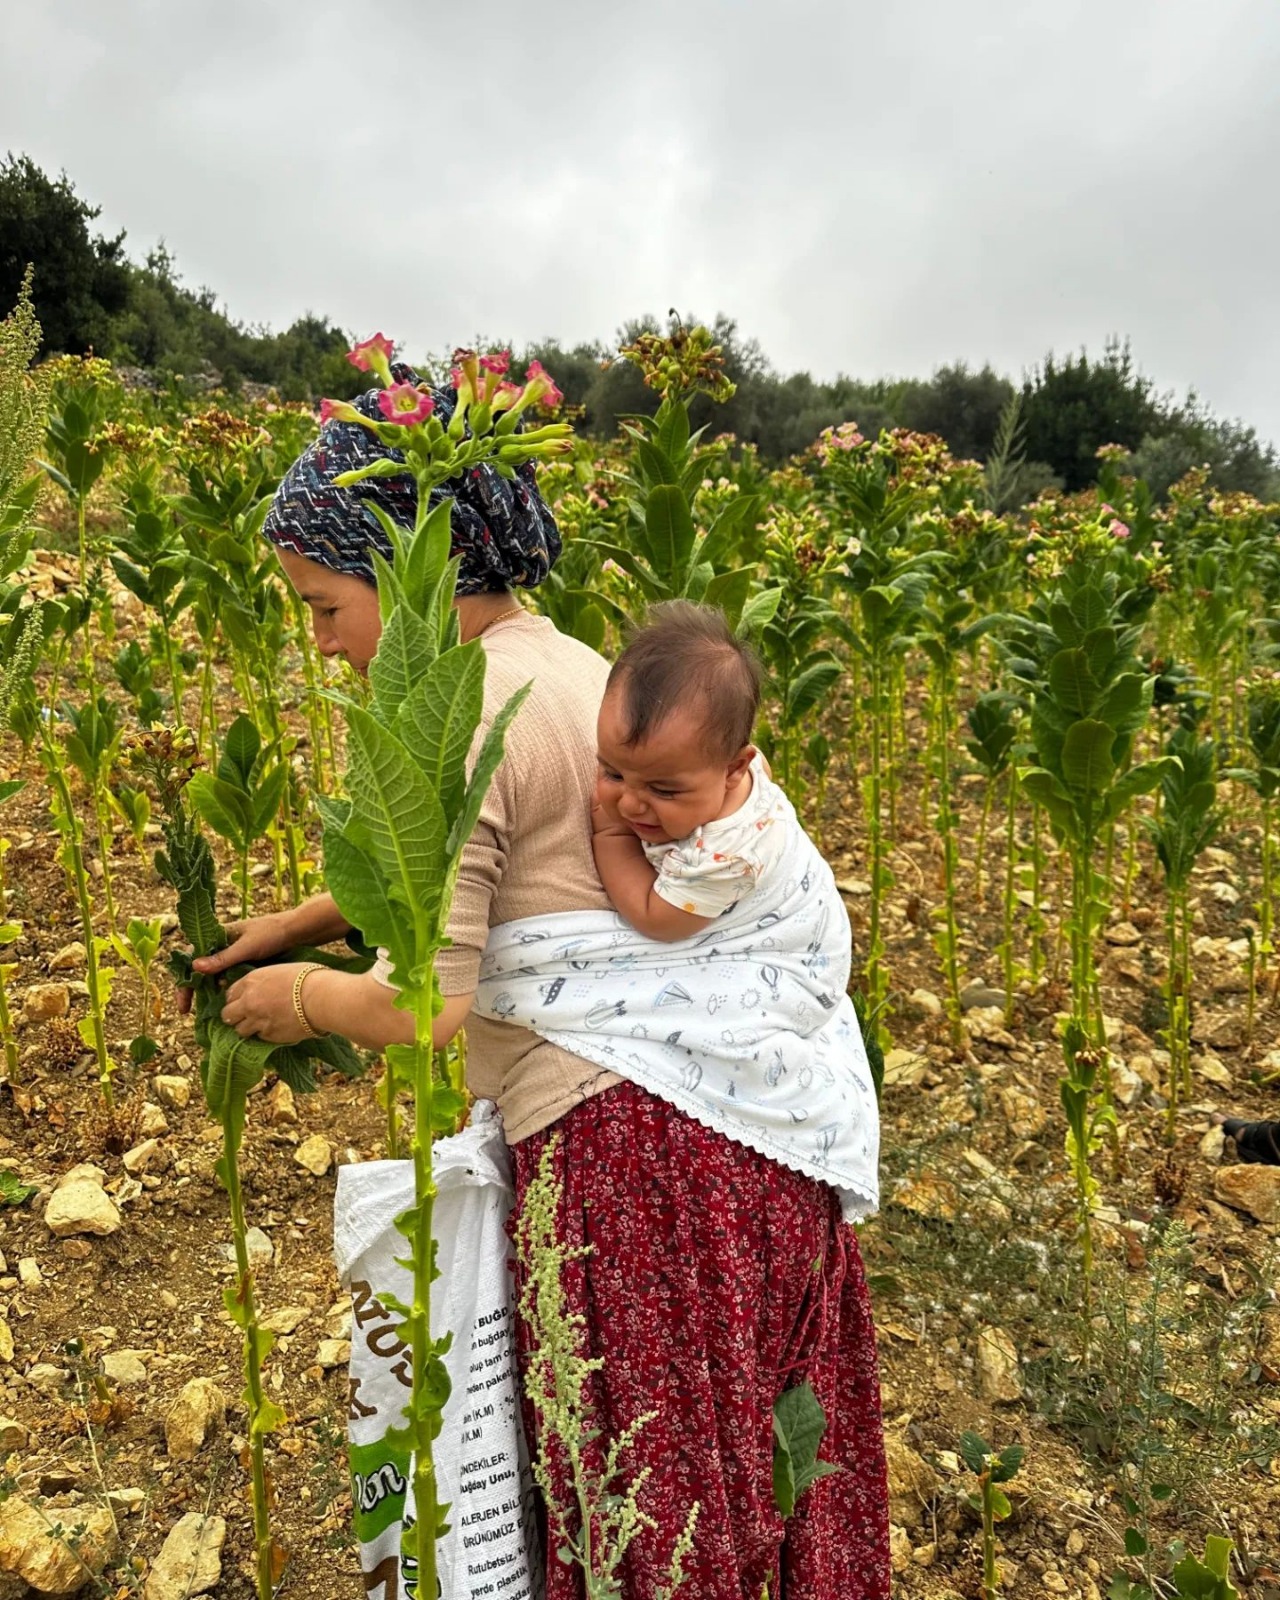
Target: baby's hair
682,654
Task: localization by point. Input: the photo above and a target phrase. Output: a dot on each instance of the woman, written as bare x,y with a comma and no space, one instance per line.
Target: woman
716,1278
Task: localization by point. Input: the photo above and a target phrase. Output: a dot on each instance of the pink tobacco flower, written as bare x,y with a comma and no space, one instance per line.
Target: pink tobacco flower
465,376
505,396
373,355
338,411
1118,529
403,403
540,387
497,361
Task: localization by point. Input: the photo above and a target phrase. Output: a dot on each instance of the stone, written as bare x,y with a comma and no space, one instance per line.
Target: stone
899,1550
77,1249
904,1069
29,1273
79,1204
190,1560
337,1322
1212,1070
314,1155
149,1156
996,1366
152,1122
927,1196
1221,1030
260,1249
333,1353
281,1109
854,886
1022,1111
124,1366
912,1483
1268,1345
46,1377
197,1414
6,1344
1122,934
13,1436
975,995
172,1091
1225,894
1127,1086
1054,1582
1255,1190
32,1551
1211,1145
71,958
923,1003
127,1501
44,1001
285,1319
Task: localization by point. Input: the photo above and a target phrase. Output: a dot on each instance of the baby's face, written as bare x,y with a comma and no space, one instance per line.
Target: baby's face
665,786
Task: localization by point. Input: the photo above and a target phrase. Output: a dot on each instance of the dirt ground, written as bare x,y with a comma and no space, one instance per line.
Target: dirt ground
973,1258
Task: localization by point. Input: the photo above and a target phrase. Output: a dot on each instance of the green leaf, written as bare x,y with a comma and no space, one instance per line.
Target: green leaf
809,688
13,1192
268,799
671,433
1134,1544
406,651
974,1451
235,1066
241,748
225,809
360,890
655,464
1074,686
729,592
670,531
399,811
438,720
799,1423
1087,765
487,762
1000,1507
1089,608
758,612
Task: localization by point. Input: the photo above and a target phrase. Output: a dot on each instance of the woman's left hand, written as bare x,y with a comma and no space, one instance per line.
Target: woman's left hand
261,1004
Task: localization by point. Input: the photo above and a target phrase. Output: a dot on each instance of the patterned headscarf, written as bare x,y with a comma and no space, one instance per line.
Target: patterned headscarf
502,529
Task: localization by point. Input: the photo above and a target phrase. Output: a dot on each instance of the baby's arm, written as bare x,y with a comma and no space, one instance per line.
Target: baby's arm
629,880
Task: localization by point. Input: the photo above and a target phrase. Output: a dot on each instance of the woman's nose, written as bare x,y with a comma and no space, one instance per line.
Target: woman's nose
326,641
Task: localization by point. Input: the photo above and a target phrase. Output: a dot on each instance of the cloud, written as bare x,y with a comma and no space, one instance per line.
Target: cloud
873,190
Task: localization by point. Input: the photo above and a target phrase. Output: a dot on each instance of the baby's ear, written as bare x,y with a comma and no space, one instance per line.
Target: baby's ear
740,763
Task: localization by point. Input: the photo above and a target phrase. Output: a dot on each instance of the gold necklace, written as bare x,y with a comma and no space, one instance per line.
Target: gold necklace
515,611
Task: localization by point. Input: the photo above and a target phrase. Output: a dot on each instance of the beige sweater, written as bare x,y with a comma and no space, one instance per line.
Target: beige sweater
530,855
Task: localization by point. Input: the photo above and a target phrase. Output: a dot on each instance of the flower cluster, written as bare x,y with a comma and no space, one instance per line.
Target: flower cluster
844,438
165,758
219,434
685,362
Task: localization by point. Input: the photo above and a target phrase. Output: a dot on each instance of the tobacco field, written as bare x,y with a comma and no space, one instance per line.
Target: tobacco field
1040,745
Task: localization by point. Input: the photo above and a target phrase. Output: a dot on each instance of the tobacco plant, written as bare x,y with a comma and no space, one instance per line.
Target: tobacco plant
138,948
664,553
229,1068
93,745
995,719
10,932
241,799
992,1469
1263,777
801,669
153,564
1075,656
393,848
1187,823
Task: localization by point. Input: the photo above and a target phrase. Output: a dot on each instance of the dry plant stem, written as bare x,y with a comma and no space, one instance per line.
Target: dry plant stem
12,1070
253,1368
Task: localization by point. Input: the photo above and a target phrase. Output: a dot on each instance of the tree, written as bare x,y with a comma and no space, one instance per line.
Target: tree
963,406
81,279
1072,407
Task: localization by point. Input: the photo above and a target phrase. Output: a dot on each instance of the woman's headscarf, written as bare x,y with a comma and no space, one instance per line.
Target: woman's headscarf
502,529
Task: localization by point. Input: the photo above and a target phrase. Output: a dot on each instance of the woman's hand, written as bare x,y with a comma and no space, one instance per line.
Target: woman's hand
253,941
261,1003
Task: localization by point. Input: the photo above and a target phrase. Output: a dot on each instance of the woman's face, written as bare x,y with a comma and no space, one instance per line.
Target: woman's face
344,609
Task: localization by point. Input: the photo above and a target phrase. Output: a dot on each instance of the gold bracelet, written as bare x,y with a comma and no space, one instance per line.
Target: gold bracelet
304,972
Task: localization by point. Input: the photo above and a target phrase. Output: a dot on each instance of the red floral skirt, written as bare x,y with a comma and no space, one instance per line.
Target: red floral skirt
716,1280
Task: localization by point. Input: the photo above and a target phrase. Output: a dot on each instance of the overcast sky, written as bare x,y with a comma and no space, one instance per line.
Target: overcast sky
868,189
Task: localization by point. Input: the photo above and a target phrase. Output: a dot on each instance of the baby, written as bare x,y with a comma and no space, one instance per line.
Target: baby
687,818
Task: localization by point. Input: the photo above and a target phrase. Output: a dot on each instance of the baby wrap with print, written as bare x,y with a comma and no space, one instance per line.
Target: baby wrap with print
480,1454
746,1026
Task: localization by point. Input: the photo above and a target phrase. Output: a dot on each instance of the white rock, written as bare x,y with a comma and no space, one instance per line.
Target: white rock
124,1366
13,1436
1225,894
152,1122
259,1247
1211,1145
6,1344
80,1205
197,1414
1127,1085
996,1366
315,1155
149,1156
190,1561
46,1000
172,1091
1211,1069
29,1550
46,1377
333,1353
924,1002
281,1110
29,1273
69,959
285,1319
127,1501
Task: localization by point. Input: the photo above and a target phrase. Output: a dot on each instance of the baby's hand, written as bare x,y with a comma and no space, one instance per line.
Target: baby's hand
604,817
